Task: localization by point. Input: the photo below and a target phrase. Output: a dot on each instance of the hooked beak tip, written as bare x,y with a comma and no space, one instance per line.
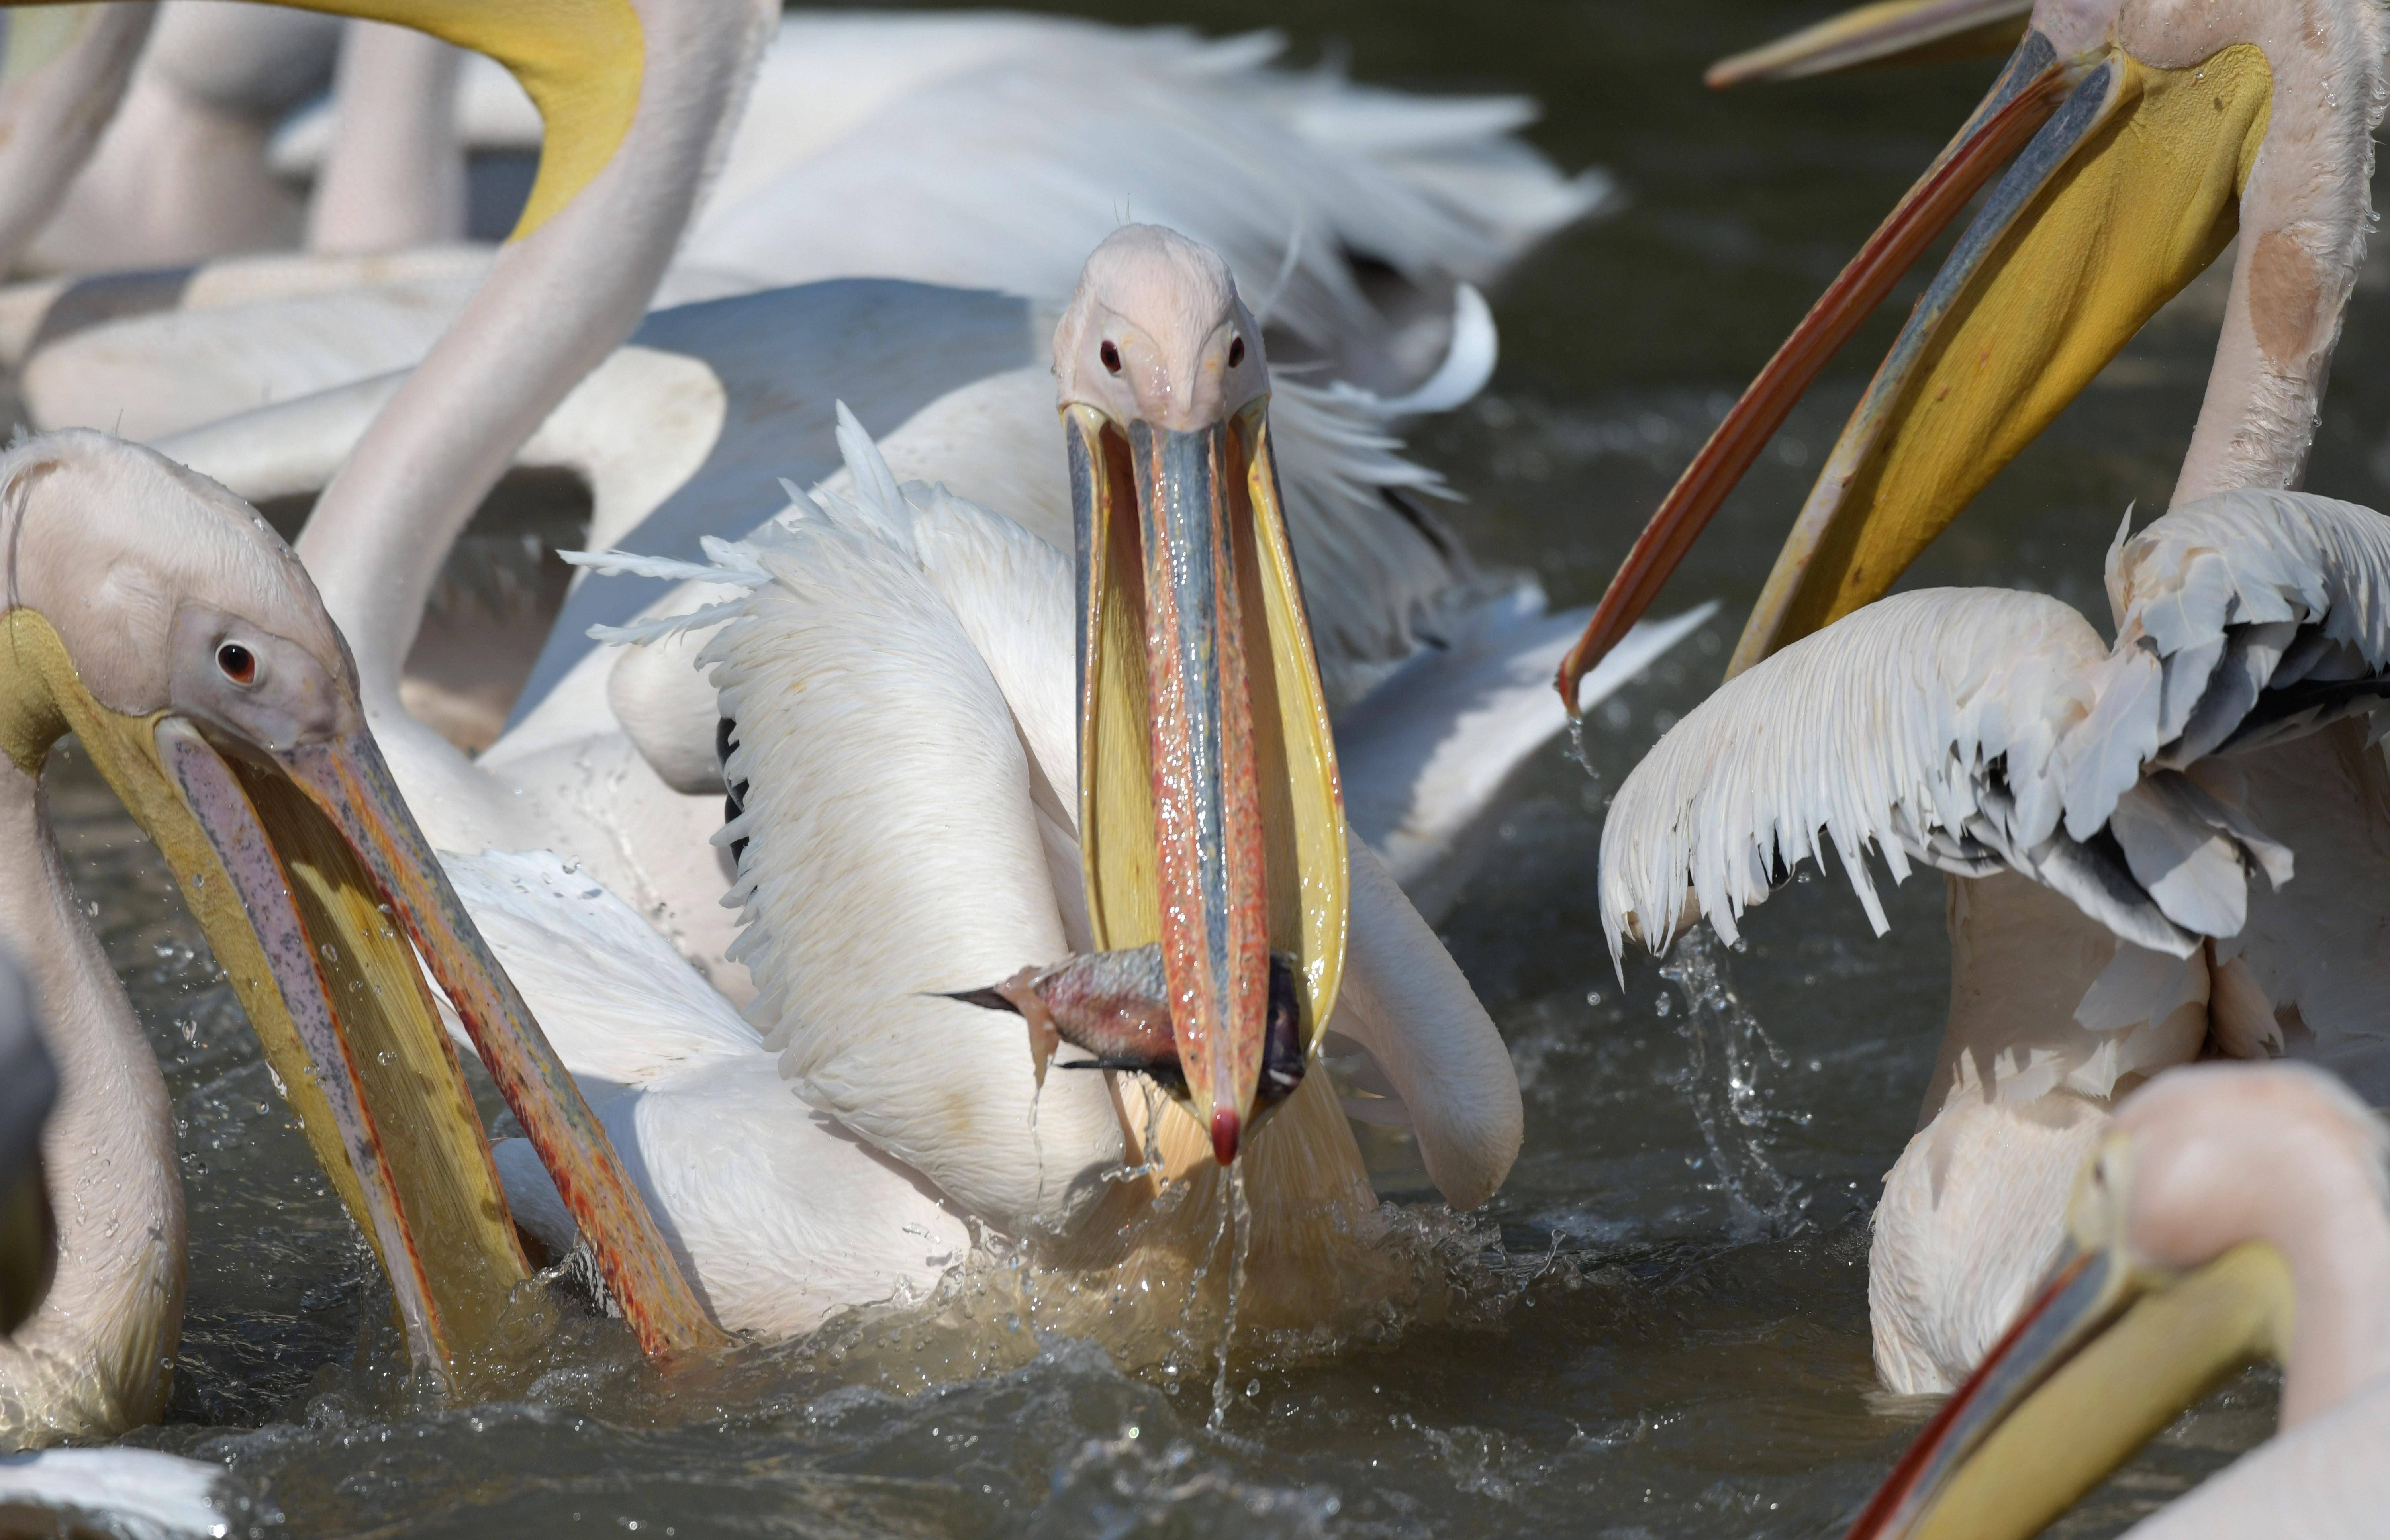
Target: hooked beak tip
1225,1132
1565,680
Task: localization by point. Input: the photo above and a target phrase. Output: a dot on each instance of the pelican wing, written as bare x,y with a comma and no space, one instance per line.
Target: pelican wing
617,1002
892,853
1425,756
1442,1070
2263,616
779,1212
1287,174
1931,726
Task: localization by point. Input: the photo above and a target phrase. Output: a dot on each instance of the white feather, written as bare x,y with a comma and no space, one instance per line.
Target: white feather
777,1211
1879,732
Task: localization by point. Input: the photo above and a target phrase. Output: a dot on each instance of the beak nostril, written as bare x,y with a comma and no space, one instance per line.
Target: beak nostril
1236,352
1110,356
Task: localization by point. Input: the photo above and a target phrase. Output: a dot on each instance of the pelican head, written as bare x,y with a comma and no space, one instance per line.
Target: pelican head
2232,1212
161,620
2125,146
1210,818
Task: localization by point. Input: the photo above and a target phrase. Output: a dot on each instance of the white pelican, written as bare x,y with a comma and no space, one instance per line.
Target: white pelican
124,1488
2158,795
2230,1212
2168,128
898,667
159,620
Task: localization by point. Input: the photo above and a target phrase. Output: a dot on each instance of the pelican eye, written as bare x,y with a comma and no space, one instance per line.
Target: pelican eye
1110,356
238,663
1236,352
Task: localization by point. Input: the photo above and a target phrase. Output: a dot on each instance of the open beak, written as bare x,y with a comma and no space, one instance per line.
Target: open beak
2122,184
1209,816
317,894
349,787
2102,1359
1891,32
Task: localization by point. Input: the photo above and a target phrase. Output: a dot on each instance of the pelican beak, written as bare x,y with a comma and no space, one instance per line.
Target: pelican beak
1891,32
2122,183
350,789
311,882
2129,192
1209,816
2107,1354
2020,103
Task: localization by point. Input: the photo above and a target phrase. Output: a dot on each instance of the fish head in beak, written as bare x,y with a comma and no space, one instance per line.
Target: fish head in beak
1209,817
159,619
2118,147
2177,1271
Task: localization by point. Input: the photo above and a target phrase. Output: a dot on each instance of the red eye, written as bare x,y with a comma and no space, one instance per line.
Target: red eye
238,663
1110,356
1236,352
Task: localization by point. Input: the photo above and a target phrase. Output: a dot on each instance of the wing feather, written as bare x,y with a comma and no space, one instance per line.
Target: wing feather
1928,728
1970,730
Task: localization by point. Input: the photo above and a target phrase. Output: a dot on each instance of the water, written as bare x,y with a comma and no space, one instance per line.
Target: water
1662,1322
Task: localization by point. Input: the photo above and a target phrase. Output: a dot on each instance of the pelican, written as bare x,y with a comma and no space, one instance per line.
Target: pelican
2229,1212
895,666
2150,135
2136,881
164,623
123,1487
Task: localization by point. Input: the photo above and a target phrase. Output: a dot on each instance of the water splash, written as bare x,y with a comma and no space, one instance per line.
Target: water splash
1575,753
1726,1050
1152,1165
1236,1211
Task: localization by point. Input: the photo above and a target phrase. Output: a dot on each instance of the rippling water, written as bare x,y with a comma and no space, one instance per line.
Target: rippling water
1663,1327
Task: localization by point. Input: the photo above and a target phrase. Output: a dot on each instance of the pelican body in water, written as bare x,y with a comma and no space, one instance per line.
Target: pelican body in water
2229,1213
958,763
2207,804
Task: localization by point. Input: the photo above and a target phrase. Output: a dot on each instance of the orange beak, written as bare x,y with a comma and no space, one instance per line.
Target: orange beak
2020,102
